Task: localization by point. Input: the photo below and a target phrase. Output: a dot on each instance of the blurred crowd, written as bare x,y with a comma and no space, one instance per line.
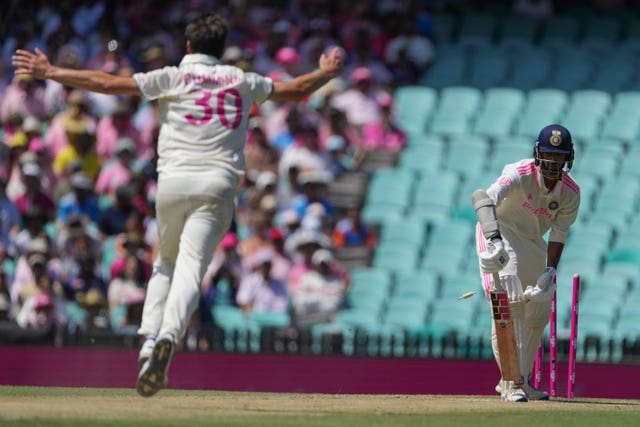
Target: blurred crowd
77,169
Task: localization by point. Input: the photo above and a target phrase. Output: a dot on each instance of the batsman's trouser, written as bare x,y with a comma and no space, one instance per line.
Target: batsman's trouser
193,214
527,260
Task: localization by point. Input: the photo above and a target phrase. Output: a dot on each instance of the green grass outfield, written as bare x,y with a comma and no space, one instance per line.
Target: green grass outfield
40,406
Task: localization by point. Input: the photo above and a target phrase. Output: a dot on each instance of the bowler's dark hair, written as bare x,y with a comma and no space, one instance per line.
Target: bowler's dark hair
207,34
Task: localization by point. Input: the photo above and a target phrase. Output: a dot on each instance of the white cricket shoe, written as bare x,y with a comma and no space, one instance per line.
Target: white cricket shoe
145,351
533,393
515,394
153,374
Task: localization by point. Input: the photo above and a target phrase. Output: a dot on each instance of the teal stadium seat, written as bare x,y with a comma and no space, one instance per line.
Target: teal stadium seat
601,32
517,31
531,68
423,159
498,112
450,68
560,31
477,29
455,110
434,196
489,67
543,106
413,106
421,285
467,155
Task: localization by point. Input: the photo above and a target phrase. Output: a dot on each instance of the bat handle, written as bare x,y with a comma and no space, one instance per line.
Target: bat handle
496,280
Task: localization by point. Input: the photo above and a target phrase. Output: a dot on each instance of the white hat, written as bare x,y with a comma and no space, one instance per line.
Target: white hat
289,217
31,124
320,256
265,179
31,169
316,177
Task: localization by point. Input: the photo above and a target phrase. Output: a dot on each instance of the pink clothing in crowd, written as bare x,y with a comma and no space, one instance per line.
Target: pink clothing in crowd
375,136
107,136
56,138
262,295
111,177
16,100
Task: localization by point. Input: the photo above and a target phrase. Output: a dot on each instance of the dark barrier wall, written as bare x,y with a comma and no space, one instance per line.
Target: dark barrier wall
89,367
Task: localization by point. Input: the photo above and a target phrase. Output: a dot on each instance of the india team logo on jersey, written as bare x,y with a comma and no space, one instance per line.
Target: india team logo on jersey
556,138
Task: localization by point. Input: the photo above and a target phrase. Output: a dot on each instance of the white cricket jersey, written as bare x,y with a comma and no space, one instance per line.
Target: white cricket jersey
204,108
528,209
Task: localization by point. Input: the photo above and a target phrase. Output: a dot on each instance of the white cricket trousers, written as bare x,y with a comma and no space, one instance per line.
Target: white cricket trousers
527,260
193,213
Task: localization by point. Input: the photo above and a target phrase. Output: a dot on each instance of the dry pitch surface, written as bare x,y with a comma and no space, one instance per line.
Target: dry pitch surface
27,406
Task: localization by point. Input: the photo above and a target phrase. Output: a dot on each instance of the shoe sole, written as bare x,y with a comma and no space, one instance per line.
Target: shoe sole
154,377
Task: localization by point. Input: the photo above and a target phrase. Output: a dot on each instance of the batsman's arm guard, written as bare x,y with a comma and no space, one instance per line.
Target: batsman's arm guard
486,212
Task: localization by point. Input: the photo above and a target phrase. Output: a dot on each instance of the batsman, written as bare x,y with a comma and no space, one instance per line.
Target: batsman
517,265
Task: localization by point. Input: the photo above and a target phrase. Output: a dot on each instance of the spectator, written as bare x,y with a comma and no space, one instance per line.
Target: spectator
265,59
34,221
359,103
320,293
126,293
281,263
115,128
118,172
79,201
259,291
44,311
259,154
305,153
351,231
314,190
11,221
287,60
383,135
87,278
48,178
69,124
112,219
302,244
81,149
23,97
259,234
225,266
339,161
133,244
30,268
33,196
419,50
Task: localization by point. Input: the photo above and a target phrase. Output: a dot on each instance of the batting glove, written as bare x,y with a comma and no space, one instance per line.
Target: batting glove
544,288
495,258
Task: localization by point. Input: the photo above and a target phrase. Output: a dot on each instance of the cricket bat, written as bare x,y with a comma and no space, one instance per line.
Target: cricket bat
505,335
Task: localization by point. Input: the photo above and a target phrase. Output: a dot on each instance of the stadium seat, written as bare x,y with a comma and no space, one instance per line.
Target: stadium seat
413,106
531,68
423,159
435,195
477,29
575,73
410,231
419,284
517,30
488,67
467,155
560,31
450,68
601,32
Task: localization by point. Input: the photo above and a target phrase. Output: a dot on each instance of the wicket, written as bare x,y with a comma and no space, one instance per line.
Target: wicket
553,341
